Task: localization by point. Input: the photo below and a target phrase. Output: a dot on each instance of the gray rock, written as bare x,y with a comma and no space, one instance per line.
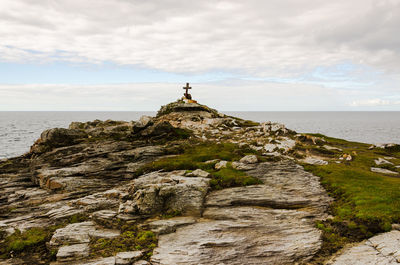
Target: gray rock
198,173
123,258
104,233
249,159
73,252
383,171
170,225
242,166
158,192
220,165
241,235
102,261
72,234
381,161
314,161
380,249
141,262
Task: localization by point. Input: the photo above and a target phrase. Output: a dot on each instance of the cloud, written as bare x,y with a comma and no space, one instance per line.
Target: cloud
255,37
228,95
374,102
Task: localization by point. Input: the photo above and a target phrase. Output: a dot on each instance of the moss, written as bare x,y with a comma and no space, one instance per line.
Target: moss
31,240
129,240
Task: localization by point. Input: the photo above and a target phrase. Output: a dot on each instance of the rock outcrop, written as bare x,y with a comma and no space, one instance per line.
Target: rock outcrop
90,186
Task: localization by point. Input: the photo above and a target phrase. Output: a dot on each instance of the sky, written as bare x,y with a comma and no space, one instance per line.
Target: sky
253,55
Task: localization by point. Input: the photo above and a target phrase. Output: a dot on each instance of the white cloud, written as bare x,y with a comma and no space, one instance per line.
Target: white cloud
227,95
261,38
374,102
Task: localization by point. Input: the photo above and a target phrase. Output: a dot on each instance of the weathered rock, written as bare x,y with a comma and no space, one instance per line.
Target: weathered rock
57,137
102,261
73,252
241,235
380,161
198,173
249,159
221,164
380,249
314,161
77,233
242,166
164,192
165,226
383,171
123,258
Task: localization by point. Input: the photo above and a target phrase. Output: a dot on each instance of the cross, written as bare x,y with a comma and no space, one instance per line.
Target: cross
187,87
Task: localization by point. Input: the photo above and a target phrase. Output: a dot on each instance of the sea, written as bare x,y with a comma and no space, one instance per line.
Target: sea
20,129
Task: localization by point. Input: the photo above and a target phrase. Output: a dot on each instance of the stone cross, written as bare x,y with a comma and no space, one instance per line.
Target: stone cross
187,95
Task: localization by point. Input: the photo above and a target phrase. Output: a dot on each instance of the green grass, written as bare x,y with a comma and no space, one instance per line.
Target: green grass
230,177
365,203
194,156
368,201
31,240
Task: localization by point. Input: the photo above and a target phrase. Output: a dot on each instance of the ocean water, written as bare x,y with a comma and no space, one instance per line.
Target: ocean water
19,130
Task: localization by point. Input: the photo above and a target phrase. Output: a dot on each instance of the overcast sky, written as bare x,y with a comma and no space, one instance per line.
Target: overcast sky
238,55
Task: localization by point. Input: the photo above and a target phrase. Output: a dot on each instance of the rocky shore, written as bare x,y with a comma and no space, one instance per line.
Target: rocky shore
147,192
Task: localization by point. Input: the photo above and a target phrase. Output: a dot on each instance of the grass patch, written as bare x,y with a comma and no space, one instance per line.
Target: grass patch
129,240
365,203
194,156
230,177
32,240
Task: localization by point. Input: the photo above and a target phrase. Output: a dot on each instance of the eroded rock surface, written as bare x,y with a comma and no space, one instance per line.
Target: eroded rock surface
380,249
271,223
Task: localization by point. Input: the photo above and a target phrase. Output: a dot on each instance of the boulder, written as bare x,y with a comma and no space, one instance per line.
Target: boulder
162,192
221,164
249,159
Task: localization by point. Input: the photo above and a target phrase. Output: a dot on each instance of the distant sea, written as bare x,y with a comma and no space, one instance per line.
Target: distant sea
19,130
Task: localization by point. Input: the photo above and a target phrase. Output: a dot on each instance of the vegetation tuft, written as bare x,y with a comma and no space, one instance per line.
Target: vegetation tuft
195,156
129,240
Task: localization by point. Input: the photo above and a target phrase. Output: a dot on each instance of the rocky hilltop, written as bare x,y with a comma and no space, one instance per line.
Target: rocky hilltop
189,186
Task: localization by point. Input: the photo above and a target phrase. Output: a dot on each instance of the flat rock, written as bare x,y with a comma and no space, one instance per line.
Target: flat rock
124,258
380,161
73,252
241,235
102,261
380,249
72,234
383,171
314,161
166,226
